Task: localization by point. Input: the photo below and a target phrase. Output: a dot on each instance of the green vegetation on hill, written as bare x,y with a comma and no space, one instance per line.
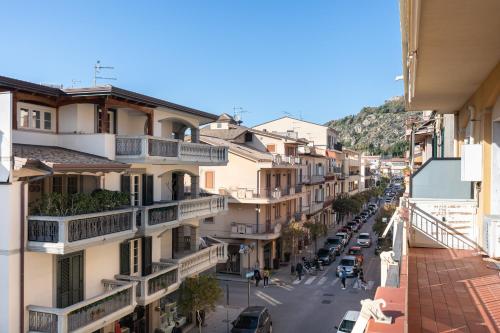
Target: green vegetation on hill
375,130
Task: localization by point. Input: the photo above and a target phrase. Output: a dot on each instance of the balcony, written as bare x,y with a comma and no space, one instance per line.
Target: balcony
280,160
202,207
314,179
149,149
337,146
262,195
267,231
64,234
202,260
159,216
162,281
313,208
116,301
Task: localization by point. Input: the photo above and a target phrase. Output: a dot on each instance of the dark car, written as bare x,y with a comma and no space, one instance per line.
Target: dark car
335,242
354,226
326,255
254,319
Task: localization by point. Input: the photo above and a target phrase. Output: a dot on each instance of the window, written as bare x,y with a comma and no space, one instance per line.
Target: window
57,184
209,220
271,148
72,184
277,211
248,137
135,190
47,121
209,179
35,117
135,258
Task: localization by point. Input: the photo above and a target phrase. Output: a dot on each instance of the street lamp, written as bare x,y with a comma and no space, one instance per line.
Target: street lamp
247,249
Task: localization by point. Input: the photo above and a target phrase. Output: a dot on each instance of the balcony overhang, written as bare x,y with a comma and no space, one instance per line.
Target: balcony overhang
449,48
263,236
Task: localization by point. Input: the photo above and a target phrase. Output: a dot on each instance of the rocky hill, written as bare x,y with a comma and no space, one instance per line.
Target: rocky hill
375,130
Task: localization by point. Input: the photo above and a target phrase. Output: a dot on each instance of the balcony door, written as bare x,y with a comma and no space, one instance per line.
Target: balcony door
69,279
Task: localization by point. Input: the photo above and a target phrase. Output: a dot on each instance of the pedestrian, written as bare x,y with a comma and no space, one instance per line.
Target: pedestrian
343,276
355,282
361,277
257,276
266,274
299,269
177,328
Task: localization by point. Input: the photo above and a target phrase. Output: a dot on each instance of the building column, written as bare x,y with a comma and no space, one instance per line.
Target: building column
195,134
195,186
195,238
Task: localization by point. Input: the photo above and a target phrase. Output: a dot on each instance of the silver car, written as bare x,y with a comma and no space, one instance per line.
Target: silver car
350,264
364,239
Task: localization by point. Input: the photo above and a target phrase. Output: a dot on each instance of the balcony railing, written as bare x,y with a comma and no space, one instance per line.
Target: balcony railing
57,234
283,160
163,280
246,193
253,229
200,261
117,300
202,207
145,149
160,215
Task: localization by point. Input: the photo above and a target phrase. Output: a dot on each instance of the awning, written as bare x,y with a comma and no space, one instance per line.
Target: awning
57,159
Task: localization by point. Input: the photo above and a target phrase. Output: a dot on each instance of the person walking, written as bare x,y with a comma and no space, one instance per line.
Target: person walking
265,275
299,269
343,276
257,276
355,282
361,278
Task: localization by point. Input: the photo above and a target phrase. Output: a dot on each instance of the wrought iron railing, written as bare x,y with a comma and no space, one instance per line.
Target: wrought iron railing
83,315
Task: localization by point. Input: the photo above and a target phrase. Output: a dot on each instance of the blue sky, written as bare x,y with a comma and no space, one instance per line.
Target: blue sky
318,59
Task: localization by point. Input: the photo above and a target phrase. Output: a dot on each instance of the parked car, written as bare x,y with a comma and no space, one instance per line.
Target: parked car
336,242
254,319
358,253
344,236
348,322
347,230
373,206
326,255
350,264
354,226
364,239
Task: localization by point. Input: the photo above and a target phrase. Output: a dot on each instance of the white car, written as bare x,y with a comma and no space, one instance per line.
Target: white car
364,239
344,236
348,322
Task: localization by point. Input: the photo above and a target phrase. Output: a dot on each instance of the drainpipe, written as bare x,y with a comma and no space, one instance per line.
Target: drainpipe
21,247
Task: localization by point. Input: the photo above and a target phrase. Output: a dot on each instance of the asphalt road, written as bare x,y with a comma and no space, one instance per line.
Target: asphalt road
315,304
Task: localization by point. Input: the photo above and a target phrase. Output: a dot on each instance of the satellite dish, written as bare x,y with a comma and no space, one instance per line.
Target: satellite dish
237,117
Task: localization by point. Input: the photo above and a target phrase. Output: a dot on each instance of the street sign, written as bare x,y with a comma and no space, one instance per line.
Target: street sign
249,275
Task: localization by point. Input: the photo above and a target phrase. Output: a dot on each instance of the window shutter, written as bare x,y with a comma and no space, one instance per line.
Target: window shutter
147,253
209,179
147,190
271,148
125,258
125,184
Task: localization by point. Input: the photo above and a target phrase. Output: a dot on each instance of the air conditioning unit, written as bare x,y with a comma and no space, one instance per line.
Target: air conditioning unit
472,162
491,237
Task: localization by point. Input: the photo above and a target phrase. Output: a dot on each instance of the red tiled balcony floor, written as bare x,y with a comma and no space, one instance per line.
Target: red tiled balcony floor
451,291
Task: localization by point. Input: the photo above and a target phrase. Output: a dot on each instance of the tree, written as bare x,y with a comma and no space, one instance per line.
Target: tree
316,230
198,294
345,205
291,233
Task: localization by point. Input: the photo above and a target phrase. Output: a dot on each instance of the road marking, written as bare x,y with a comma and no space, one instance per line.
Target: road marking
310,280
297,281
334,282
322,280
266,297
286,287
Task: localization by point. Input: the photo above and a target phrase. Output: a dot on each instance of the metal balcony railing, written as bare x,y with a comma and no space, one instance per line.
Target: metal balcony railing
283,160
262,193
54,234
144,148
116,301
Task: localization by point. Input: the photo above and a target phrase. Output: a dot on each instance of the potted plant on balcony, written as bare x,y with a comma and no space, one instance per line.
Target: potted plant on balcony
199,295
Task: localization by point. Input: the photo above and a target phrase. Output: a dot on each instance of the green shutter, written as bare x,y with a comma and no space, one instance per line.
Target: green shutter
147,254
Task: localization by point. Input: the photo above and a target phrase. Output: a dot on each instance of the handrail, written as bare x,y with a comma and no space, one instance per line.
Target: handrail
443,237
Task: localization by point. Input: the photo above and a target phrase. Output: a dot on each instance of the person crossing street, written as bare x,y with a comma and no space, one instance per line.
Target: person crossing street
343,276
299,269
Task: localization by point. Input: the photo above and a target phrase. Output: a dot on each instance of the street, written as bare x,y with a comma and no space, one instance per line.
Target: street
314,304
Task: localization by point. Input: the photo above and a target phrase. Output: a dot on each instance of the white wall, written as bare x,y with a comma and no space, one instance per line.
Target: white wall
5,135
101,262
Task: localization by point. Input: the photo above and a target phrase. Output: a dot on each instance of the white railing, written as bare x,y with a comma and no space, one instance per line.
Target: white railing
253,229
163,150
54,234
163,280
200,261
204,206
279,159
117,300
390,261
439,231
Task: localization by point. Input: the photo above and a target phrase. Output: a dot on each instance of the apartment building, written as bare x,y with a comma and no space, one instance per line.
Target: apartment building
261,181
324,154
102,208
352,169
451,66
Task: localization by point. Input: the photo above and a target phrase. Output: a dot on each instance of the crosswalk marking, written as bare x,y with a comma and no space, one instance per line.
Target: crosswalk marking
322,280
310,280
334,282
297,281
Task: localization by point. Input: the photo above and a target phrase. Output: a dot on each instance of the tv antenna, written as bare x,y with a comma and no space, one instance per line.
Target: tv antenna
97,70
74,82
237,114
